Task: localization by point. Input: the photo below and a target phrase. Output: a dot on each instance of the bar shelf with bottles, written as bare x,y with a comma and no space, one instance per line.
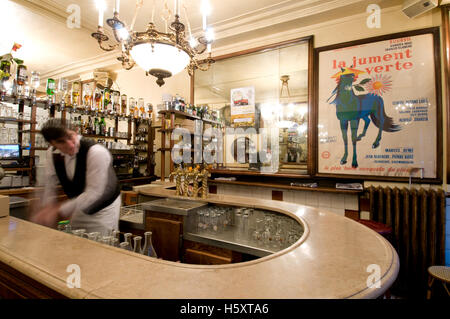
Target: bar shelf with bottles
176,107
18,87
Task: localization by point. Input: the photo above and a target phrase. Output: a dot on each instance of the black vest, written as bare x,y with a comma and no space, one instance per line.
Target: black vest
76,186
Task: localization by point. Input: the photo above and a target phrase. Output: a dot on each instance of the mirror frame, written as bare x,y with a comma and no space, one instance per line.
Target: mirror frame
310,165
445,11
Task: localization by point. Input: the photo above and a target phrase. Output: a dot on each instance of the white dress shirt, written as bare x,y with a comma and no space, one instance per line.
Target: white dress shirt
97,164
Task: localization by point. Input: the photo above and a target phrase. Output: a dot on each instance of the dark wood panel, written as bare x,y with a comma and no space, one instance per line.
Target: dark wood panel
14,284
212,189
352,214
165,237
192,256
277,195
234,256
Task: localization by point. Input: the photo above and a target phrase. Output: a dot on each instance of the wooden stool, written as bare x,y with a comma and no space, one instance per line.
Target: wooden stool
441,273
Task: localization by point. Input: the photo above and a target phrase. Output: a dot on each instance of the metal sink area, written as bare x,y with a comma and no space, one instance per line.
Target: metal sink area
173,206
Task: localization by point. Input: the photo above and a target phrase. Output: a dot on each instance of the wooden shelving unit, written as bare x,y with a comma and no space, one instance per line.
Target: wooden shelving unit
20,102
173,114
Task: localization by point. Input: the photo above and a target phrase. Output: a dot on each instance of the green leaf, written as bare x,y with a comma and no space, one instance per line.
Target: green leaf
364,81
359,88
18,61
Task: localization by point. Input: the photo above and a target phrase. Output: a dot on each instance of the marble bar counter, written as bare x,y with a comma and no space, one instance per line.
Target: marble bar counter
335,258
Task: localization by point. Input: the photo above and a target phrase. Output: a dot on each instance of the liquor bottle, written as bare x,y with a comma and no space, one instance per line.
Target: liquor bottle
76,88
116,102
102,127
51,86
96,127
148,249
149,111
98,100
89,126
86,126
132,105
107,100
21,74
87,98
123,111
68,96
63,85
81,123
140,109
35,81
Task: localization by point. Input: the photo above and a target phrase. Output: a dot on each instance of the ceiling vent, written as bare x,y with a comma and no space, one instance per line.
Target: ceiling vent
413,8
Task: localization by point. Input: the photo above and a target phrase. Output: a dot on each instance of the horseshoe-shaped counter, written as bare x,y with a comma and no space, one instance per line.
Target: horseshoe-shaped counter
336,257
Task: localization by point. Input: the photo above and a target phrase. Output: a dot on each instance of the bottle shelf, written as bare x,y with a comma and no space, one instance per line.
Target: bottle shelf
14,120
109,137
187,115
19,169
68,111
180,114
39,148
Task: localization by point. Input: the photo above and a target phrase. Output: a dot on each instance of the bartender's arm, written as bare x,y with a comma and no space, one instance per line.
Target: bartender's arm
48,213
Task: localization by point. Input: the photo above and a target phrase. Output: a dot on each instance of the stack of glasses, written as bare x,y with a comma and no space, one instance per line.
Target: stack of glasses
250,226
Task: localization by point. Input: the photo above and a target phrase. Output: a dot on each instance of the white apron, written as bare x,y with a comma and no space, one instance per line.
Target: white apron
103,221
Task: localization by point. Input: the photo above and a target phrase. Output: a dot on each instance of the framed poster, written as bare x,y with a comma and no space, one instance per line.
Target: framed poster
379,108
243,106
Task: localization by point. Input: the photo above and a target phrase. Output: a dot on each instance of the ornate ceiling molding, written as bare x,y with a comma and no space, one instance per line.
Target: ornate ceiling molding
249,22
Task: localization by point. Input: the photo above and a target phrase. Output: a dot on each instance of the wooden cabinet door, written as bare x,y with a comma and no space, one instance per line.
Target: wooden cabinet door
165,237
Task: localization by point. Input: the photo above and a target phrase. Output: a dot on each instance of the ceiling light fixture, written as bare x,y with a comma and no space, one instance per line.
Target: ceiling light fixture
160,54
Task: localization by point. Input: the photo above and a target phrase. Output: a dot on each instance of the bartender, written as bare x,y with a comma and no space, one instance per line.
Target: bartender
84,170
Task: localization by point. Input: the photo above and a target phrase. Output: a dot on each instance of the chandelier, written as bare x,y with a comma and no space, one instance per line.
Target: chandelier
160,54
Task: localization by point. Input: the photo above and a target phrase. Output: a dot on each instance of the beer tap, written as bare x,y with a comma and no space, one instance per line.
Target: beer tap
205,174
196,179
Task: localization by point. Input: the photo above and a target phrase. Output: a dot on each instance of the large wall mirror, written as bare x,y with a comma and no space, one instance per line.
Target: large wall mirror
265,91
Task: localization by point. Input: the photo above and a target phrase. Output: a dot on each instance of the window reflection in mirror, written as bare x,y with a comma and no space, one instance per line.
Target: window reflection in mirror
279,79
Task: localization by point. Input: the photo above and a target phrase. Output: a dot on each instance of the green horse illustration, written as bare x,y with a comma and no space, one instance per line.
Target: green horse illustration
352,108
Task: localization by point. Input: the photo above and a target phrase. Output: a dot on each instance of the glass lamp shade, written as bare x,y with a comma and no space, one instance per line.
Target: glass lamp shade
161,56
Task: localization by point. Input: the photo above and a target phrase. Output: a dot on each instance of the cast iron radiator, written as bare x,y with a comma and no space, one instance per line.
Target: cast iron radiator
417,218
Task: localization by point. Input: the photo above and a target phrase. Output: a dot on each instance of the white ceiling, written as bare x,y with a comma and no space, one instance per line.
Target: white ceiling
49,46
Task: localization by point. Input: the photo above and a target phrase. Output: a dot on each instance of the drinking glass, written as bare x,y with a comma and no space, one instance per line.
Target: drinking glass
106,240
206,222
244,227
4,135
125,245
238,224
115,242
199,221
35,80
213,218
13,138
3,110
25,140
8,112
